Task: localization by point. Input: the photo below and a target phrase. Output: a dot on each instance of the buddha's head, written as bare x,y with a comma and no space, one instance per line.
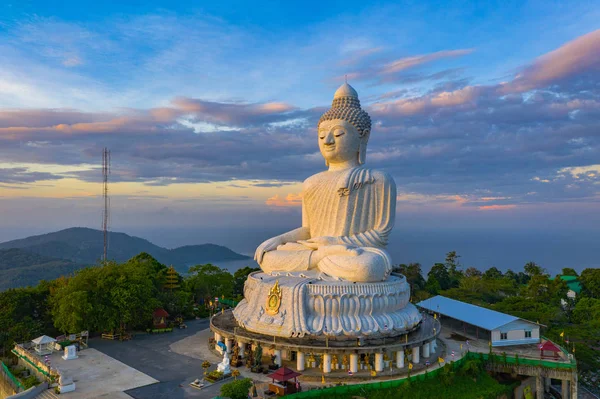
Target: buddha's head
344,130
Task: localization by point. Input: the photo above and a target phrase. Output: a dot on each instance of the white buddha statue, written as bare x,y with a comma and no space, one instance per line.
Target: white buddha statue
348,211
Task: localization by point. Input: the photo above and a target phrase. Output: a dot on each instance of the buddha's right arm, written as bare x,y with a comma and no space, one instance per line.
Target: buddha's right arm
301,233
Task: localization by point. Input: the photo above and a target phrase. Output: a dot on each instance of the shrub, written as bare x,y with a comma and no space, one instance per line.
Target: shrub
237,389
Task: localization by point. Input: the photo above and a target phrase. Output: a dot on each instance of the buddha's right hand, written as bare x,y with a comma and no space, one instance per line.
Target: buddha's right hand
269,245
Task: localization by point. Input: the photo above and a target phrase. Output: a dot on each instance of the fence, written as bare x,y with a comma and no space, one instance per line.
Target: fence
16,383
374,386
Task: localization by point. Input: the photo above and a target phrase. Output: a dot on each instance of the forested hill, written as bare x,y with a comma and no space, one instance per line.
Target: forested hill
54,254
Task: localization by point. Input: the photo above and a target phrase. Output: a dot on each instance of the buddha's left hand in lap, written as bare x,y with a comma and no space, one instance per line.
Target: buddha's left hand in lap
317,242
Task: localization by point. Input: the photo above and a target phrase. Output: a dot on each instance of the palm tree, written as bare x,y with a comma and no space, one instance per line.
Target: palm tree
235,374
205,366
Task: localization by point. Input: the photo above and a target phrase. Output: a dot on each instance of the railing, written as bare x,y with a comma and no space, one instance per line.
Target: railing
373,386
34,362
11,377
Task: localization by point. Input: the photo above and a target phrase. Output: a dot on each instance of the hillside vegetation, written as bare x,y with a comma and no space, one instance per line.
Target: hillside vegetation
29,260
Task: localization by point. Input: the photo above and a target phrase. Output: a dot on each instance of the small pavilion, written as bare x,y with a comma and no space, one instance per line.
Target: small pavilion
159,318
284,386
43,345
549,346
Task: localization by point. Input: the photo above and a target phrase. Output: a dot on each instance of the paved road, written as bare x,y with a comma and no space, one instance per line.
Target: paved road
151,355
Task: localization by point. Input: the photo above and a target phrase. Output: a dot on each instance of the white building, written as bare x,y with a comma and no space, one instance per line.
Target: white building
474,321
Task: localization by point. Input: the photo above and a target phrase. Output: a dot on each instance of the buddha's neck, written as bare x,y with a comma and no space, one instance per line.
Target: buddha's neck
334,167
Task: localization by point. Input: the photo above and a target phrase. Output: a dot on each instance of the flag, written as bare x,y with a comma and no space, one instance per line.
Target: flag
562,334
460,346
373,373
410,366
435,316
322,379
440,360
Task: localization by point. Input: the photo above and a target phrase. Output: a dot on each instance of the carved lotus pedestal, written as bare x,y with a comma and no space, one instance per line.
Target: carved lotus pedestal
289,306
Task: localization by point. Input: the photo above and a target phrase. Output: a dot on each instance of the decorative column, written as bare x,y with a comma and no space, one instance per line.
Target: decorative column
378,361
229,344
327,363
574,386
277,353
426,350
547,382
539,387
242,347
431,348
415,354
354,362
300,361
564,385
400,359
433,345
217,337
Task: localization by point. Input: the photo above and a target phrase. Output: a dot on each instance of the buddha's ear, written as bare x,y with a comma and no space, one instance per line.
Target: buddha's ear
362,149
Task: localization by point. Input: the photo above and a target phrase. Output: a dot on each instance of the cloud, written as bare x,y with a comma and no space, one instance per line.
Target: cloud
572,60
290,200
496,207
393,71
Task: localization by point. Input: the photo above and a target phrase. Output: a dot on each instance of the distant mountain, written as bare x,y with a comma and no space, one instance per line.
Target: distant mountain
77,247
20,268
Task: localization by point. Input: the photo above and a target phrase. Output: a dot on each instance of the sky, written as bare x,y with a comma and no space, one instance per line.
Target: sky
487,115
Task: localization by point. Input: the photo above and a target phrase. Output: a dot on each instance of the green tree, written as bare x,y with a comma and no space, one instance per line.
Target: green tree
533,269
590,281
454,268
414,276
492,273
439,272
209,281
473,272
237,389
239,279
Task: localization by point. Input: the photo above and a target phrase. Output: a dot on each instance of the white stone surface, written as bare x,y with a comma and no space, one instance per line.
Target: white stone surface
415,354
70,353
400,359
326,363
300,361
224,366
99,375
348,211
378,361
353,362
336,308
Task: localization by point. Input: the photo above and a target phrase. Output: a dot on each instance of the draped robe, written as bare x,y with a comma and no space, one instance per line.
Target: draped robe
358,207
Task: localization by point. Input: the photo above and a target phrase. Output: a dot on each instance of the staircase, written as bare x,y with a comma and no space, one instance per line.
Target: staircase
47,394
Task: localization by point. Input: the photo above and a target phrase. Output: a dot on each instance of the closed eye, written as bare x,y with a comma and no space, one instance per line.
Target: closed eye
339,134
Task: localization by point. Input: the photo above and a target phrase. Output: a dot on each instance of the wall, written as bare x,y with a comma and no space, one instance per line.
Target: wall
31,393
529,382
516,333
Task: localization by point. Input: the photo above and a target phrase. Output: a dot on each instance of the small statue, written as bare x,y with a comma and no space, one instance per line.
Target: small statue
236,353
224,365
258,356
334,361
273,359
345,362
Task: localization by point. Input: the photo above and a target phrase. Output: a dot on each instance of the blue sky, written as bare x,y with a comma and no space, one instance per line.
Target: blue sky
487,114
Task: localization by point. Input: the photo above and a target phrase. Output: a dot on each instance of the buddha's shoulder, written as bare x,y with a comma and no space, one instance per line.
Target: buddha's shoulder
381,175
311,180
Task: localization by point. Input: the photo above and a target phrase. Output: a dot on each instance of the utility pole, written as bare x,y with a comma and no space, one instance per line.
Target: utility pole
105,213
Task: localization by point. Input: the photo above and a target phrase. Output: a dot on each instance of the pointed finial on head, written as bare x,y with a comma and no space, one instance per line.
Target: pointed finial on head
346,78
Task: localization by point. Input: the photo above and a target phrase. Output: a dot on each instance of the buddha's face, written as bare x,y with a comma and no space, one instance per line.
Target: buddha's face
339,141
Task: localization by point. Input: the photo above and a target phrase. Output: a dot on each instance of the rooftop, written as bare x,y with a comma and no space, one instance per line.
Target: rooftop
472,314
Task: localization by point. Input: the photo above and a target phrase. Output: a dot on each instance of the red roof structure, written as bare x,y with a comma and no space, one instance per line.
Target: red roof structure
160,313
283,374
549,346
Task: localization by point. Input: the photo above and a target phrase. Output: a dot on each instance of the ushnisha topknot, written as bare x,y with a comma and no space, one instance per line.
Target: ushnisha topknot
346,106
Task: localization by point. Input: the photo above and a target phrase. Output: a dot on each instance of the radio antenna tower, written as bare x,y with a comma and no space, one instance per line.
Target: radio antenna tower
105,213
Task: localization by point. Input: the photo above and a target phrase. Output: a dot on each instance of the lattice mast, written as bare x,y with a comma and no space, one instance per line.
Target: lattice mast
106,211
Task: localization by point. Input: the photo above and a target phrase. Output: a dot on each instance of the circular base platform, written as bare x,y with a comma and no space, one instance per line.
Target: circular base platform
226,327
296,306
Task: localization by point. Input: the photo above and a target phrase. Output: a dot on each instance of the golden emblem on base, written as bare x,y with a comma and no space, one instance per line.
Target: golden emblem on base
274,299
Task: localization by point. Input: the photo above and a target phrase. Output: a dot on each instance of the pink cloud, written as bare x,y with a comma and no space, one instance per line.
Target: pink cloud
575,57
290,200
410,62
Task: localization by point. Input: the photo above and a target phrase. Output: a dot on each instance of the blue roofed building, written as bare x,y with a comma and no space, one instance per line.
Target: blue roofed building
500,329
